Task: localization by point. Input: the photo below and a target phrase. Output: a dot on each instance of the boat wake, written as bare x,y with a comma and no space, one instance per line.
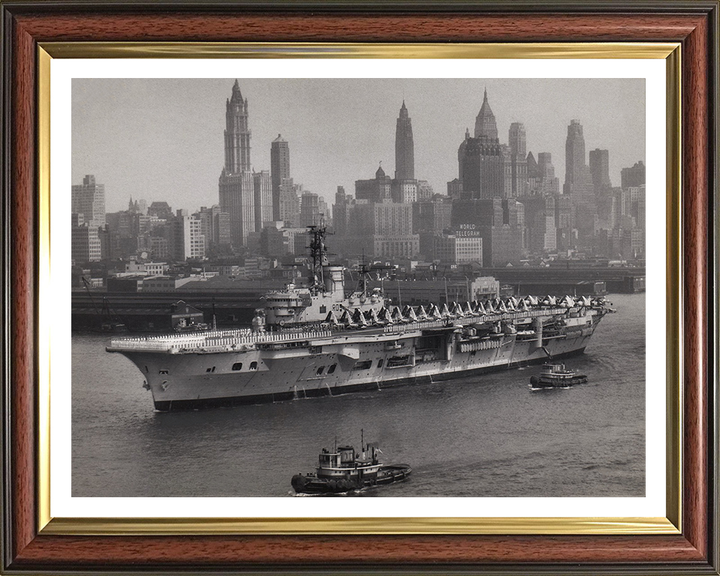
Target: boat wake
356,492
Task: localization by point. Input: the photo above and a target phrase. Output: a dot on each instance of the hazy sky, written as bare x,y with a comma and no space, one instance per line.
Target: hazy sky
162,139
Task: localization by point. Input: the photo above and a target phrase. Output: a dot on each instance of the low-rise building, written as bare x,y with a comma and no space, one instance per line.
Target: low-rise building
133,283
156,268
164,283
228,270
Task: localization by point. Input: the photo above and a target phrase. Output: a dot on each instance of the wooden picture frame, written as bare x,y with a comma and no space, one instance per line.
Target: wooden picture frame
31,545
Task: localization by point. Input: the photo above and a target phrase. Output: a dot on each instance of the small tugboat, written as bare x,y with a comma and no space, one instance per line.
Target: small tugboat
555,375
344,470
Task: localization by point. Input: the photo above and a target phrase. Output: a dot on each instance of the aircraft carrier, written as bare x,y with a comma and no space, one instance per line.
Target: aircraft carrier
318,341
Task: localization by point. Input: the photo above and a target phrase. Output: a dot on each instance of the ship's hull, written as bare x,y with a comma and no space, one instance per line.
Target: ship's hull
388,474
545,382
338,365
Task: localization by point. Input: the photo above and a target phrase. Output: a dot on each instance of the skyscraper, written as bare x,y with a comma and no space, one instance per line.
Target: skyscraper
340,211
634,176
392,230
86,244
432,216
578,181
484,164
236,180
312,209
289,202
404,147
542,180
279,170
533,171
600,170
188,240
540,223
88,199
237,133
425,190
545,165
485,125
518,159
500,224
574,155
214,225
262,185
379,189
517,139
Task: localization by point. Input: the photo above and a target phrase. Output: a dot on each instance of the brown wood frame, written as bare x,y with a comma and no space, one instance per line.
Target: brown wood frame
693,23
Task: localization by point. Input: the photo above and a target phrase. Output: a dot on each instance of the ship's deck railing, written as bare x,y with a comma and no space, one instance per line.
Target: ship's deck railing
412,326
228,340
520,314
225,340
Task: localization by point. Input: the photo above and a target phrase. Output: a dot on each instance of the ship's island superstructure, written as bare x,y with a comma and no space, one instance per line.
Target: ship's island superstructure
310,342
326,292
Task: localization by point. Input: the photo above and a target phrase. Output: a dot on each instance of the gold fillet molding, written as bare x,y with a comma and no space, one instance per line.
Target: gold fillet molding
567,50
671,52
45,297
674,291
231,526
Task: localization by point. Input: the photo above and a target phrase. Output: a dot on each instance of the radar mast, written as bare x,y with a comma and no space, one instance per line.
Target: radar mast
318,256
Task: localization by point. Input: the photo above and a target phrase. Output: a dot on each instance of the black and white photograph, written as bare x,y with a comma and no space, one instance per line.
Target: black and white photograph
359,287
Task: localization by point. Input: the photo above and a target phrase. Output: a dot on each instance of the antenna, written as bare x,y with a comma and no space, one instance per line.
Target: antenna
362,440
213,314
363,270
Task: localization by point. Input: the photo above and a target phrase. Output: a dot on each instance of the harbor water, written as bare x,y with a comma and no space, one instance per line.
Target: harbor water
483,435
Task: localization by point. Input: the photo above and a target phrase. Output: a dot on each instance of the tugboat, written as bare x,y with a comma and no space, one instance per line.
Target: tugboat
344,470
555,375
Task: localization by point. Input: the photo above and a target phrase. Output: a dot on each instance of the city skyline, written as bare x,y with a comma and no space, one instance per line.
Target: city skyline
136,146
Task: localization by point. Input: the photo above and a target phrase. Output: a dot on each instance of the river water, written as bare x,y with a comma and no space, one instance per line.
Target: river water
483,435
